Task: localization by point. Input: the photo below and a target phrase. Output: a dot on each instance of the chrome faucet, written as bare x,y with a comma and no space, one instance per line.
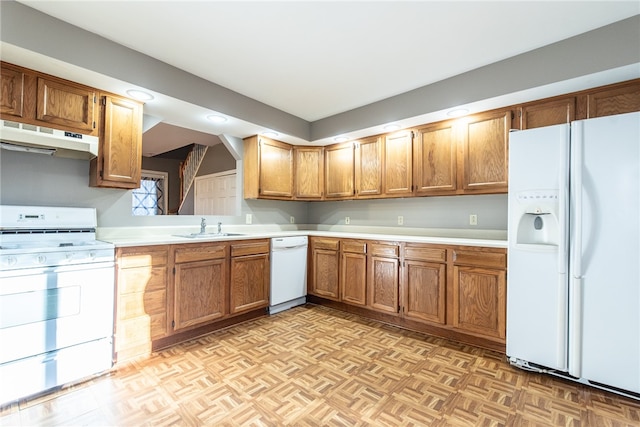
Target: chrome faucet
203,226
219,228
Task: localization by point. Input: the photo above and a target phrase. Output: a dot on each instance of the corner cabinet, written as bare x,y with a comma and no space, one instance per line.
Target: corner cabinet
119,160
250,276
268,169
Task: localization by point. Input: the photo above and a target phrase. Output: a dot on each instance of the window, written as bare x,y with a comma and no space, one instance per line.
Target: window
150,198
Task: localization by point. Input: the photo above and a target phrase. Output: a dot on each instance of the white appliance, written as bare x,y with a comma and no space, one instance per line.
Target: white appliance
288,272
573,292
56,299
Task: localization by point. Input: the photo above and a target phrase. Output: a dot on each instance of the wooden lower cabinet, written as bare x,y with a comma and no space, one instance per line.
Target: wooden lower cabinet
141,299
324,279
353,272
480,292
250,276
199,284
424,283
457,292
383,277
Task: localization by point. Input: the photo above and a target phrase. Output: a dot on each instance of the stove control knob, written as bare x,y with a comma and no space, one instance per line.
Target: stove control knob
11,260
41,259
68,255
92,255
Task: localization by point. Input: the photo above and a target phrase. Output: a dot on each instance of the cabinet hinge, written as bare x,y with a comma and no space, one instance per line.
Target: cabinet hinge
94,124
174,270
103,101
173,324
95,100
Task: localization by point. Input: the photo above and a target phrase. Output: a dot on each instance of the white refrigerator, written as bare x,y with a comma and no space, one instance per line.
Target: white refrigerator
573,288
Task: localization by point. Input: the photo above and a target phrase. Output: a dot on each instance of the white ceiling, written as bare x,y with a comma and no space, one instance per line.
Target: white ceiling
317,59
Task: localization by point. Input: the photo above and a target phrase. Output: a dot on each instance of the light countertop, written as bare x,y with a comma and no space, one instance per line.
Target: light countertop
140,236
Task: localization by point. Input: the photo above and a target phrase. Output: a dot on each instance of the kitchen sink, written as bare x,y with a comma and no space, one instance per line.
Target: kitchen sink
207,235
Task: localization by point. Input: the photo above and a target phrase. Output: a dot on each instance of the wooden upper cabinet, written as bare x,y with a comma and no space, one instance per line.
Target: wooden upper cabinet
119,161
614,99
547,113
485,153
434,159
398,153
309,172
67,105
368,167
11,92
339,171
268,169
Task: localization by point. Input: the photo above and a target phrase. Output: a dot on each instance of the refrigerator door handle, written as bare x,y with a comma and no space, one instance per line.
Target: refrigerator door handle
576,195
563,206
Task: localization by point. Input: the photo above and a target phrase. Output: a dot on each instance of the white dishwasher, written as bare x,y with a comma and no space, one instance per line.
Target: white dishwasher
288,272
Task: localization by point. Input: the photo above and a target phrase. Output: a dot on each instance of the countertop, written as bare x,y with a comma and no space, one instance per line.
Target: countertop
140,236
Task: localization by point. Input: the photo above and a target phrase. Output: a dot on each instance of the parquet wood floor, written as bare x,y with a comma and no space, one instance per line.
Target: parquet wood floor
313,366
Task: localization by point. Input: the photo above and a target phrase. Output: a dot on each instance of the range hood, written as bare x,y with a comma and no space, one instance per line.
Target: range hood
38,139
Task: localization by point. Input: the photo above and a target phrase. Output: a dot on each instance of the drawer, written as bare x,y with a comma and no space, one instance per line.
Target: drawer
425,253
353,246
331,244
142,256
190,253
379,249
480,258
250,248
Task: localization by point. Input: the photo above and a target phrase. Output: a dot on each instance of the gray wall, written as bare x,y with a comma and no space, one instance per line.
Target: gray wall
34,179
419,212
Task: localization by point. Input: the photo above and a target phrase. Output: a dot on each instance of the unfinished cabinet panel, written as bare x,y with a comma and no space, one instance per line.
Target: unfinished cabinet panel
485,153
397,176
141,299
434,159
309,172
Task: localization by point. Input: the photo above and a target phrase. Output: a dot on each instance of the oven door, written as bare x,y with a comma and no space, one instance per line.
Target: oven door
48,309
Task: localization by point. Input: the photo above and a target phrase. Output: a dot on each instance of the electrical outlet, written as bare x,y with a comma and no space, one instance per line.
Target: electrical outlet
249,219
400,220
292,220
347,220
473,219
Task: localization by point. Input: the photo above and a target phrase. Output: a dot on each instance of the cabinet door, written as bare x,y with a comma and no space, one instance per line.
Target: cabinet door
485,153
11,92
434,159
425,290
309,172
339,171
67,105
276,168
368,167
479,300
249,282
119,161
200,292
325,278
397,176
354,273
383,284
548,113
620,99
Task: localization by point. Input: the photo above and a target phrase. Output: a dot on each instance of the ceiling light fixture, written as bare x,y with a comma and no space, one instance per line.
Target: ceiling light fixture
458,112
392,127
216,118
340,139
140,95
270,134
